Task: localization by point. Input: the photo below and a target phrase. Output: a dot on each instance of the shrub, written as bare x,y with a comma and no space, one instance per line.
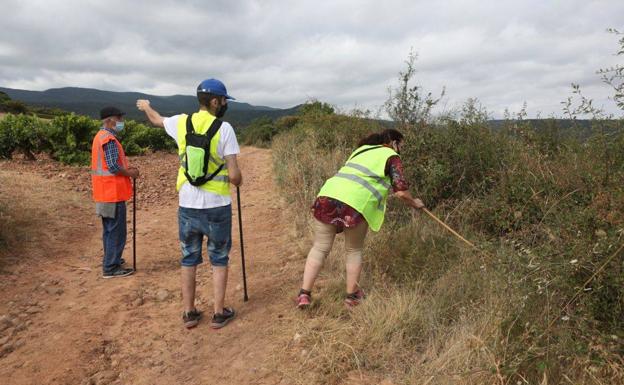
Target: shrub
315,108
13,107
21,132
4,97
70,138
260,132
137,137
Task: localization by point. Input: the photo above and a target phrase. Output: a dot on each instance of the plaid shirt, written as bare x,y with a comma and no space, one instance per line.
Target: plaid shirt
111,154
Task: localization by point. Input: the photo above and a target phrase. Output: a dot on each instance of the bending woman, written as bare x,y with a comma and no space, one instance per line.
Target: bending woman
352,201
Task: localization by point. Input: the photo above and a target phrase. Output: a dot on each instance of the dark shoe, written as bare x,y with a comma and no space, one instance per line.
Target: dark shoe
122,261
355,299
119,272
219,320
191,319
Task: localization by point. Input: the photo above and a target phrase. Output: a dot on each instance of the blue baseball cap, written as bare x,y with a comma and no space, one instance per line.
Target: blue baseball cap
213,86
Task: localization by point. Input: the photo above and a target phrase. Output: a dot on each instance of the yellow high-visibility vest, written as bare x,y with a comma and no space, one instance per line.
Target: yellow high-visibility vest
362,184
202,120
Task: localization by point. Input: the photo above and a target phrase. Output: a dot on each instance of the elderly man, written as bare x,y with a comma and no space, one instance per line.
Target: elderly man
112,187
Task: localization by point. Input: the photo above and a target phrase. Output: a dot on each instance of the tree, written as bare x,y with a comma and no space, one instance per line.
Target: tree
614,76
407,104
316,108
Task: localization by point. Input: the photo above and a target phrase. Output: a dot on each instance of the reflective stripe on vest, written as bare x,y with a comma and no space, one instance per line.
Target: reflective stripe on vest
108,187
369,173
220,184
99,170
362,184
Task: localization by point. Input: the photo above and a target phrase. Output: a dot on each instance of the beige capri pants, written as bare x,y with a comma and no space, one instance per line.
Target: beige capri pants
325,234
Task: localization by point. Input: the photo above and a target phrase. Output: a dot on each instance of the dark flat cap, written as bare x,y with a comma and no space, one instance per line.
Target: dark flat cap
107,112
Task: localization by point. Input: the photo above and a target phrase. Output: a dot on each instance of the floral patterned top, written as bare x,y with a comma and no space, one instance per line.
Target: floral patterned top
334,212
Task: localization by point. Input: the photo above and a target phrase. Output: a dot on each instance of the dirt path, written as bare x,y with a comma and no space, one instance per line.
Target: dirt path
61,323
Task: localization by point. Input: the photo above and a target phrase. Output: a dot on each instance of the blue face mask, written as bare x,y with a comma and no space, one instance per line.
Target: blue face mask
119,126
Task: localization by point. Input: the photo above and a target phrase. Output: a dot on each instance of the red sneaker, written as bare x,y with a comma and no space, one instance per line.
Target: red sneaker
355,299
303,301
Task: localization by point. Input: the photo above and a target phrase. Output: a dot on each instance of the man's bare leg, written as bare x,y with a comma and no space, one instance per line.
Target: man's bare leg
188,287
219,282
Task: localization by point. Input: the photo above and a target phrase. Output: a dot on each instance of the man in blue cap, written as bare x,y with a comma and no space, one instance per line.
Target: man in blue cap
207,147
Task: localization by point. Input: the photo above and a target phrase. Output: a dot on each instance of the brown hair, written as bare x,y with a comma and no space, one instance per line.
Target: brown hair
204,98
384,137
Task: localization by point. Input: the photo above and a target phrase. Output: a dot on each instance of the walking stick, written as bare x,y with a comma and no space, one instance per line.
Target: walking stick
240,228
448,228
134,203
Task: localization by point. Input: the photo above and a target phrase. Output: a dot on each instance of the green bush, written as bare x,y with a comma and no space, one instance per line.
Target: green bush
13,107
23,133
453,160
70,138
260,132
316,108
4,97
137,137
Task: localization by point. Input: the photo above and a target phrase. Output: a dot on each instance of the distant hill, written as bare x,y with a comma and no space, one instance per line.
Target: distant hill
88,101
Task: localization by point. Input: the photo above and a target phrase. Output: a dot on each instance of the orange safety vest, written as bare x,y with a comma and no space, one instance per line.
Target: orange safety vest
108,187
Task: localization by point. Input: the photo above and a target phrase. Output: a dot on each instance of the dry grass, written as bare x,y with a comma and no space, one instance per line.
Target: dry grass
410,334
455,330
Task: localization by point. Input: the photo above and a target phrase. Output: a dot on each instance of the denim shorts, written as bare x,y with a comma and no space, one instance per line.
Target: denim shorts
215,224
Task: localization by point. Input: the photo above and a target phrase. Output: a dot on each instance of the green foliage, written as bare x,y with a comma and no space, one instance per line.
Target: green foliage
137,137
260,132
614,76
17,107
316,108
21,132
48,112
407,105
68,137
4,97
13,107
453,160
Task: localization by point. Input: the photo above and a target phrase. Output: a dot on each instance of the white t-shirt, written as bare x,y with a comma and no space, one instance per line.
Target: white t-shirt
195,197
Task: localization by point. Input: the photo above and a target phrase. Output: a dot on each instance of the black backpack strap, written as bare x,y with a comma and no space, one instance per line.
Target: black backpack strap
364,150
189,124
212,131
214,127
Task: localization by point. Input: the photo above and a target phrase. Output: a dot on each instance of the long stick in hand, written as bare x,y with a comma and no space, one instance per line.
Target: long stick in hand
134,204
240,228
448,228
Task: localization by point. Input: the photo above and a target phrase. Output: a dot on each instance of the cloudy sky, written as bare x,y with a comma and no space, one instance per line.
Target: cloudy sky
347,53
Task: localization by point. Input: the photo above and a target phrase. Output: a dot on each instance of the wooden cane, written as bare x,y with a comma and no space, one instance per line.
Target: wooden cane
448,228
